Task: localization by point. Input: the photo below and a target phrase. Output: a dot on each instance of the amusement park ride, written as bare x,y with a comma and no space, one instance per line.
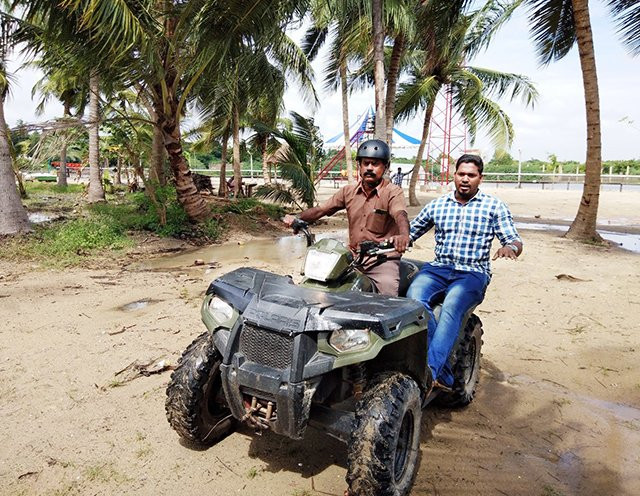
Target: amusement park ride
447,138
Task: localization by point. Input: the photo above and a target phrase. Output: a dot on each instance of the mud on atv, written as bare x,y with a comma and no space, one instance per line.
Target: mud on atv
330,353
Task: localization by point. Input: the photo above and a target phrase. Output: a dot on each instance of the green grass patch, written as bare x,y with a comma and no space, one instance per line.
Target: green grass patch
69,189
67,243
105,229
548,490
244,206
138,213
104,473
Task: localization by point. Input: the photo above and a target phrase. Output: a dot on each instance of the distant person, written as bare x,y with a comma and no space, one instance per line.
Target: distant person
466,221
376,211
398,177
231,186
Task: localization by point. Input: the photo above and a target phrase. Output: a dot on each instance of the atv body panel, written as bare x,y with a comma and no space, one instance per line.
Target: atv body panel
278,350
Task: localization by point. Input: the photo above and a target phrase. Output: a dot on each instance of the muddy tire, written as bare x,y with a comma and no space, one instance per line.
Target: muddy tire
195,405
466,368
384,451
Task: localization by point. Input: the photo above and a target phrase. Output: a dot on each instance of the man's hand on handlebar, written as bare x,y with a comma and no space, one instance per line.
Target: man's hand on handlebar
400,242
288,219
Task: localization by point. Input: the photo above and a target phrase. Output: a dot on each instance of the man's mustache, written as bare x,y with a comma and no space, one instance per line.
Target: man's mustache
369,174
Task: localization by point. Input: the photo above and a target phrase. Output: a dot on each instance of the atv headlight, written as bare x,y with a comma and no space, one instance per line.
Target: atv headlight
350,339
220,309
318,265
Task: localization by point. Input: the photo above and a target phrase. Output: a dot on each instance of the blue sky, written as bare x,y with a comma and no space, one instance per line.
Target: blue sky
555,125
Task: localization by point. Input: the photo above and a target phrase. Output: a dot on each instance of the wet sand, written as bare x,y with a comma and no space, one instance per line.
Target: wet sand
557,410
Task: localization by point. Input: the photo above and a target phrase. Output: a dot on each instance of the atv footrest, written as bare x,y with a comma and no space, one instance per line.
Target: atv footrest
336,423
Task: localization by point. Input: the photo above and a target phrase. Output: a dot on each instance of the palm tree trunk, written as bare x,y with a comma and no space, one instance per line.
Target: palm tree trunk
13,216
378,68
62,171
392,83
413,199
156,167
237,171
118,178
266,176
583,226
222,187
96,191
345,120
192,202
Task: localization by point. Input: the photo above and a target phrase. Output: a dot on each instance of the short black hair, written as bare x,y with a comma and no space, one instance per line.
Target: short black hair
472,159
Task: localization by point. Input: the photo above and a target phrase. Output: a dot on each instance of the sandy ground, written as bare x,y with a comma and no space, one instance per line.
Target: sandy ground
557,410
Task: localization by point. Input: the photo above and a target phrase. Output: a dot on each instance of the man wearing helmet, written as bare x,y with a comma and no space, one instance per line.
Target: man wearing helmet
375,209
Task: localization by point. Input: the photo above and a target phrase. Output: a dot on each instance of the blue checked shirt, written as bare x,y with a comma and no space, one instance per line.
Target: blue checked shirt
464,232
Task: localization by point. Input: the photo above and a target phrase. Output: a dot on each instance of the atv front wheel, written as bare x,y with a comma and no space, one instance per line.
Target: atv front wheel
384,452
466,369
195,405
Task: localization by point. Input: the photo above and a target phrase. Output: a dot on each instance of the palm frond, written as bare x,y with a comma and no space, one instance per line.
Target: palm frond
486,22
505,84
626,14
552,28
277,193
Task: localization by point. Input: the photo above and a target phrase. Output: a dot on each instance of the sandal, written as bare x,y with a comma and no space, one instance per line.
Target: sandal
442,387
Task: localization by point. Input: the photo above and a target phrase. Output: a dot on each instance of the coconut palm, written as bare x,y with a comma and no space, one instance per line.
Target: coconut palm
71,90
60,36
297,155
442,65
165,48
557,26
13,216
251,89
337,21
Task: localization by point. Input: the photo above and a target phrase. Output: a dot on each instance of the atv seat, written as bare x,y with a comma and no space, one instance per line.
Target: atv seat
408,271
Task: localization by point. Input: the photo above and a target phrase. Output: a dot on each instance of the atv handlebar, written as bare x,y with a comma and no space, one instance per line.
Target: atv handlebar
299,225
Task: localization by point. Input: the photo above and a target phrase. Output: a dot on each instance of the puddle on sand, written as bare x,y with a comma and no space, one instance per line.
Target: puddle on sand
137,305
276,251
626,241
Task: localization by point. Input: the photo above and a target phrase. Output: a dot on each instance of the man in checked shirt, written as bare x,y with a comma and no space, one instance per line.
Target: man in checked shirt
466,221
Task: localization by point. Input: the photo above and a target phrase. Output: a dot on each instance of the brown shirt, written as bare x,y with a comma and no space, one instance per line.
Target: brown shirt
372,217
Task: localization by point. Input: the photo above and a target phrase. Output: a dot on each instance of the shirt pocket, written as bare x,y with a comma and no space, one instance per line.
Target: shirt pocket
377,221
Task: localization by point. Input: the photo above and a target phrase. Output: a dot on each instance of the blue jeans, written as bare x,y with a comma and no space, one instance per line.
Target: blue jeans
459,291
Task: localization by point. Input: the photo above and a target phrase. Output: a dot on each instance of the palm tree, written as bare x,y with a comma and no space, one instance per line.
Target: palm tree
165,48
13,216
442,65
298,156
558,25
71,91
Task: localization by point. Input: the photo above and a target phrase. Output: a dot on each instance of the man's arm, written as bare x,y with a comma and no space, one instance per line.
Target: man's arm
511,250
422,223
330,207
401,240
507,235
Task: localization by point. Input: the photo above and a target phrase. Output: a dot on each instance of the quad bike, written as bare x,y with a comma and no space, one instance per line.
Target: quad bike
328,352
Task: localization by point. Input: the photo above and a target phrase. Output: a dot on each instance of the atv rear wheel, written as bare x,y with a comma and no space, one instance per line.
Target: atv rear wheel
195,405
466,369
384,452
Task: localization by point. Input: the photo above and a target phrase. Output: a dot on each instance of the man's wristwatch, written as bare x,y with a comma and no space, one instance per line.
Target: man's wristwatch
513,247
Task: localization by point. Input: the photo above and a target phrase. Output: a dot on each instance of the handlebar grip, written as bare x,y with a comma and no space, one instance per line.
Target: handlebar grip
298,224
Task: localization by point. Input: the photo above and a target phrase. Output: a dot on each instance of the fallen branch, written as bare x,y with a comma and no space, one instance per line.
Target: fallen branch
124,328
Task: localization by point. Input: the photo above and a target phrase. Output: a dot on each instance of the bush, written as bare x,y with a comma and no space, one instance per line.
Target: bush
246,205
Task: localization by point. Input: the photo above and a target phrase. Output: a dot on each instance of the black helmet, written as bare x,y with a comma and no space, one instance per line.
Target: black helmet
374,149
